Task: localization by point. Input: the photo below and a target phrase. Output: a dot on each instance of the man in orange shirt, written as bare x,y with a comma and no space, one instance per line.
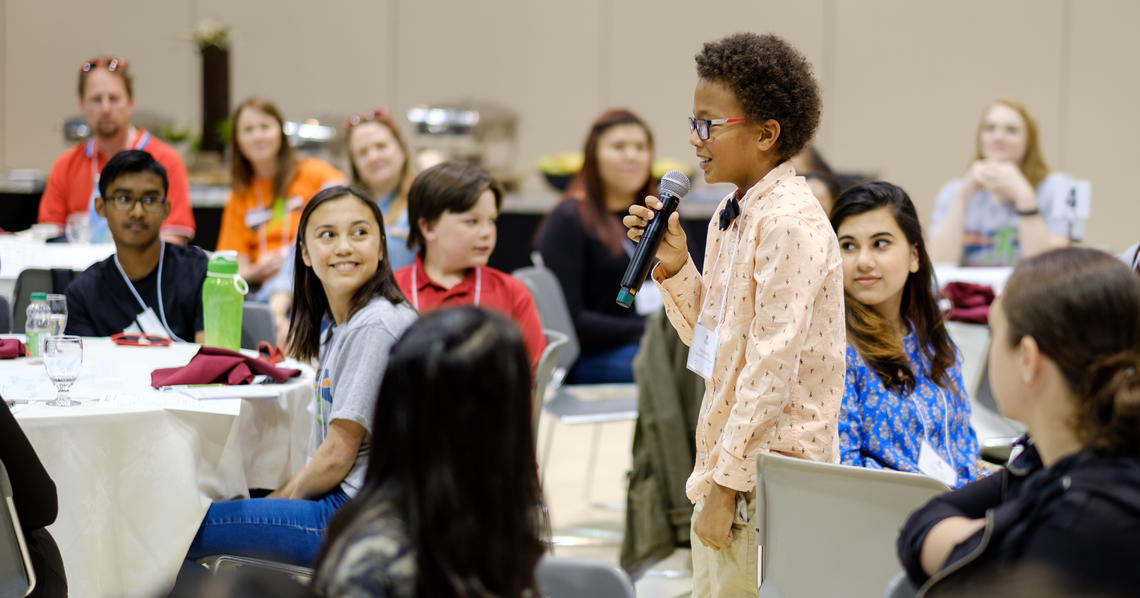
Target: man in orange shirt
106,100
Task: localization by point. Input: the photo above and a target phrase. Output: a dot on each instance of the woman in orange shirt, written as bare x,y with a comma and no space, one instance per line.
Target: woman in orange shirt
270,187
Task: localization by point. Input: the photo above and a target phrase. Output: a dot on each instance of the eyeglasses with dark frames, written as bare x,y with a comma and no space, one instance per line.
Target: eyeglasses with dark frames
703,125
123,202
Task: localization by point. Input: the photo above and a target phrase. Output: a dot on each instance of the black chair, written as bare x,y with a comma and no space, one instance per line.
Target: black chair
36,280
5,316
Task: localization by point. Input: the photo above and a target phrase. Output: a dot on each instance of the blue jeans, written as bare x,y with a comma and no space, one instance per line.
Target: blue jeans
279,529
606,367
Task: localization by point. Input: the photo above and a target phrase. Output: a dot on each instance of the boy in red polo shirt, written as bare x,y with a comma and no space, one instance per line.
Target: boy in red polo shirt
452,207
106,99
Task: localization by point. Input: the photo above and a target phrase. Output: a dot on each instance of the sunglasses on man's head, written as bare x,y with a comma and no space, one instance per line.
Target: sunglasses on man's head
112,63
364,117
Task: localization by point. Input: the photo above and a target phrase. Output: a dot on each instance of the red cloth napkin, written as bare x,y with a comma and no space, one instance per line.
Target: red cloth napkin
212,365
11,348
971,302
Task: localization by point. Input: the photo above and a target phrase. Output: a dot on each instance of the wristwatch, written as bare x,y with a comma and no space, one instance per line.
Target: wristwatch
1032,212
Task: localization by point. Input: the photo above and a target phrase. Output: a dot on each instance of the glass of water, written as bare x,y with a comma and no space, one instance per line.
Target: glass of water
63,356
57,321
77,229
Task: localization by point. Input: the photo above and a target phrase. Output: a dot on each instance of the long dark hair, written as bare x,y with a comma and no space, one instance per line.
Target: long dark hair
1082,307
310,303
868,331
452,434
590,190
241,169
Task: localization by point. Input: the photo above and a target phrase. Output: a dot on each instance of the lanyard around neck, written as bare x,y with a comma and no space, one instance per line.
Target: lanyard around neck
158,285
416,286
141,139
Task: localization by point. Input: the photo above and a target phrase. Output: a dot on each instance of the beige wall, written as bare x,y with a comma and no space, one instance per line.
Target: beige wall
904,82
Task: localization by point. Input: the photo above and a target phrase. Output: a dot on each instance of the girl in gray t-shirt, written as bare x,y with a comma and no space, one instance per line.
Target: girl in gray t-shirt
341,276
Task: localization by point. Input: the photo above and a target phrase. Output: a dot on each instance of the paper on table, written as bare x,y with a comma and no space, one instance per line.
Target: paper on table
240,391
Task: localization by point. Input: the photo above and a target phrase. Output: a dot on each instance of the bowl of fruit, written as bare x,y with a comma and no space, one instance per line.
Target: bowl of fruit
560,169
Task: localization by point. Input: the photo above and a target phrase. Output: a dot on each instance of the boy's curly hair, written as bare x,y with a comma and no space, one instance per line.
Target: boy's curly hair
770,79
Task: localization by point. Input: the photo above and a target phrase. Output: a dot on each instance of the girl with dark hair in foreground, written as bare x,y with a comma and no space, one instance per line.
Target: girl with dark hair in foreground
450,503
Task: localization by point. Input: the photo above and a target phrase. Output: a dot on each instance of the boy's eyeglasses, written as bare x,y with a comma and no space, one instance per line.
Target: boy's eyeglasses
112,63
363,117
150,203
702,125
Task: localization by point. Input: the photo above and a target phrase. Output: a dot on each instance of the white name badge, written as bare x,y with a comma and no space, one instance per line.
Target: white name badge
150,323
702,352
255,218
933,465
648,300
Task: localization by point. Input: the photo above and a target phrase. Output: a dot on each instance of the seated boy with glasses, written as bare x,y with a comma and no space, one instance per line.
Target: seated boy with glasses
148,286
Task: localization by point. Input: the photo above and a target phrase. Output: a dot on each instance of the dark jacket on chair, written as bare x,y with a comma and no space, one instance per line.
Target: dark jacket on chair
1079,519
664,448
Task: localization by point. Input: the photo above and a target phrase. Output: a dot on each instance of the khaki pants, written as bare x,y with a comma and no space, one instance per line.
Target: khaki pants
728,572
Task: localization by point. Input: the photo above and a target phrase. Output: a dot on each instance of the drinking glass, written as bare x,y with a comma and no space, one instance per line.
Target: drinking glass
78,228
63,356
57,321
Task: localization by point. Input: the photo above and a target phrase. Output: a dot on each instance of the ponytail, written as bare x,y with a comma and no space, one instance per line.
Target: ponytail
1110,418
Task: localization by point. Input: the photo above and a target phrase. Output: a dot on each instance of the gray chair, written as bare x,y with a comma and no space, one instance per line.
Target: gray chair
809,513
995,432
573,403
17,578
573,578
257,324
5,316
555,342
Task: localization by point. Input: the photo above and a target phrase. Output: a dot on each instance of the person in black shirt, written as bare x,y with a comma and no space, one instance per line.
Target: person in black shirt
583,242
34,495
1065,361
147,286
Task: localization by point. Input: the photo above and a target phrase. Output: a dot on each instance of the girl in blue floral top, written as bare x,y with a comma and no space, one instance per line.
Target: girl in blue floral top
904,404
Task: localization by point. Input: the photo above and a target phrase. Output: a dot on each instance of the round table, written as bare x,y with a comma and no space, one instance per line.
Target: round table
136,468
20,252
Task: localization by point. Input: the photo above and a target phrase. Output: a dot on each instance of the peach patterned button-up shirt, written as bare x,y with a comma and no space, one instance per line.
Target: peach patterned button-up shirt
777,381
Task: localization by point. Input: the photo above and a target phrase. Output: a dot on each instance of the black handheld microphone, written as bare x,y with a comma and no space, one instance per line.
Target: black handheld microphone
674,185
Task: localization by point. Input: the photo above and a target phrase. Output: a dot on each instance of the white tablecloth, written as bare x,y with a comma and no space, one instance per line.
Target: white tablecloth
136,468
19,252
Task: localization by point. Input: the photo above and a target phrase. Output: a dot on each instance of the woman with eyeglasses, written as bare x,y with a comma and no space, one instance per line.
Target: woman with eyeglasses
379,162
583,242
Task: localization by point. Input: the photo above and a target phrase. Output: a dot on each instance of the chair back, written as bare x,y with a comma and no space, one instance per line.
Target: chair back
552,308
573,578
31,280
5,316
843,519
973,342
555,341
17,578
257,324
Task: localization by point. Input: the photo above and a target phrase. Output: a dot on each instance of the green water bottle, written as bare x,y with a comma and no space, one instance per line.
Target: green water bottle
222,295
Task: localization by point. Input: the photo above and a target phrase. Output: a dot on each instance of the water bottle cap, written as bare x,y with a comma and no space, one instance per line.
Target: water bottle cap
222,265
39,296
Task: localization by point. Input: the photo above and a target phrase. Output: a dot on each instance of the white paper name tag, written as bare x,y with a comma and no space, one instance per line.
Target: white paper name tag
702,352
150,323
933,465
254,219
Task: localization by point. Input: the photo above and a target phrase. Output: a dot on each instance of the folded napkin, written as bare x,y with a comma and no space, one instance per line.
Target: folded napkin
970,302
212,365
11,348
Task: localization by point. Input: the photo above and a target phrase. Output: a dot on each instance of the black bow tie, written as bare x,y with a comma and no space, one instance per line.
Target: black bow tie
729,213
